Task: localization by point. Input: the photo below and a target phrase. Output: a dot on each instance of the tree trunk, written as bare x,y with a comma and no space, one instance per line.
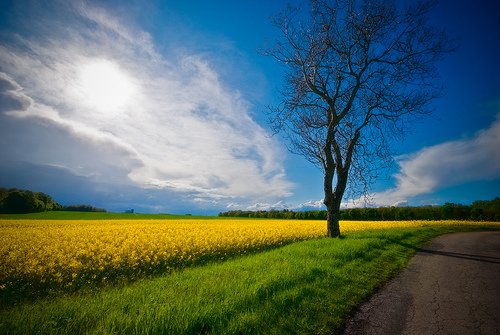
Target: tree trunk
333,201
332,219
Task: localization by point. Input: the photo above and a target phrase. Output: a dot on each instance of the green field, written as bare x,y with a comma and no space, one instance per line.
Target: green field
64,215
307,287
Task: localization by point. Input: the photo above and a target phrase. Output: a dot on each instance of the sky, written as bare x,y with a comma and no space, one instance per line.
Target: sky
162,107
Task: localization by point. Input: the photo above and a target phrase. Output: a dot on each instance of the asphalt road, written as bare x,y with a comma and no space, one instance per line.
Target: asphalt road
452,286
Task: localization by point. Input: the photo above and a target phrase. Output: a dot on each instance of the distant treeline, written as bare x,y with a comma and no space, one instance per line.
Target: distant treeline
81,208
16,201
486,210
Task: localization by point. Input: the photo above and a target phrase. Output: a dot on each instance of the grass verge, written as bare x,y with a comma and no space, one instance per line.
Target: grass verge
304,288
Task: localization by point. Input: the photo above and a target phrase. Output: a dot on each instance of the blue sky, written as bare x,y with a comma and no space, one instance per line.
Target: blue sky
161,106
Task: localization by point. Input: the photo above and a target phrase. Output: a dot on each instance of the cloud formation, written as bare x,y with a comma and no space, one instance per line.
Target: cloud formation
446,164
179,127
279,205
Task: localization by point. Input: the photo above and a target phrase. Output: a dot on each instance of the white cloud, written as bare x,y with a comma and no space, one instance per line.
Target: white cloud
425,171
446,164
310,205
279,205
139,38
267,206
182,129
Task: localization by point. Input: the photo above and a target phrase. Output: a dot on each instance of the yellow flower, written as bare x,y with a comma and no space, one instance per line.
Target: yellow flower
57,252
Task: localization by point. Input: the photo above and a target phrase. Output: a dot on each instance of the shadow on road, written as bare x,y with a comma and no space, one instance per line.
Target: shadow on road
479,258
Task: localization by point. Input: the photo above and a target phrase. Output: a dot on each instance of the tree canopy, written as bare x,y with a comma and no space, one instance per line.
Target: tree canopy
24,201
17,201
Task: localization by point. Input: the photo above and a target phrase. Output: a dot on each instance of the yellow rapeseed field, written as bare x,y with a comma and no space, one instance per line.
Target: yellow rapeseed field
66,253
41,255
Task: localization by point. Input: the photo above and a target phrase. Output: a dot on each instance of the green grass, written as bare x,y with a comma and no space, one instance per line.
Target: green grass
69,215
304,288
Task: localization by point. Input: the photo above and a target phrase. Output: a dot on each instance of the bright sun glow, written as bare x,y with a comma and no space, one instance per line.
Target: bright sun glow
105,87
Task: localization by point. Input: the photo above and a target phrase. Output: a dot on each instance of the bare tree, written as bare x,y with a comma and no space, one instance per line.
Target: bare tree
356,74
